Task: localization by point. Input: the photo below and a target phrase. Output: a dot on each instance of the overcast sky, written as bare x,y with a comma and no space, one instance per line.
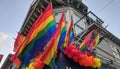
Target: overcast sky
13,12
108,11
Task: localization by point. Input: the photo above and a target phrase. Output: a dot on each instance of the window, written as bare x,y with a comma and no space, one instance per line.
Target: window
80,24
79,27
115,51
57,17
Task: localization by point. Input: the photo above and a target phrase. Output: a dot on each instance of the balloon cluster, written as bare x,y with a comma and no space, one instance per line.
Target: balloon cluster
82,58
87,61
72,52
37,64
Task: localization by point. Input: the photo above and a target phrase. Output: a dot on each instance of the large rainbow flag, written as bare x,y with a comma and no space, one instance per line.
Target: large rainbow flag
42,35
48,56
41,32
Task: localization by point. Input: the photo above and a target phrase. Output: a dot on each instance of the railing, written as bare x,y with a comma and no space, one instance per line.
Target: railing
98,23
95,18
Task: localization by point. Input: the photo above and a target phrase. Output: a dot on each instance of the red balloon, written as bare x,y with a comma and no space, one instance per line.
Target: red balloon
74,47
80,57
70,55
76,53
76,59
83,60
68,48
73,52
67,51
81,52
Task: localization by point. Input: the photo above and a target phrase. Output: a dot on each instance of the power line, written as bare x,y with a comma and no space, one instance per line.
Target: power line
106,6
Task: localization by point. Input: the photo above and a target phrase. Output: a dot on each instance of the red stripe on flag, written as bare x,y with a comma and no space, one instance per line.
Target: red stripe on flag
1,56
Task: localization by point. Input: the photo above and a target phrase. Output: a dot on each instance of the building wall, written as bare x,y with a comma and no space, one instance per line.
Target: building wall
104,45
7,63
107,51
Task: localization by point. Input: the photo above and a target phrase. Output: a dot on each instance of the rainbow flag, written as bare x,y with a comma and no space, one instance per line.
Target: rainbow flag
38,26
18,41
62,35
41,35
32,33
86,41
94,43
1,56
43,24
48,56
97,41
68,35
71,36
15,58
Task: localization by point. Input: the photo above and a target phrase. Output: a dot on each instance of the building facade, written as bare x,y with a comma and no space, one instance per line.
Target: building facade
84,21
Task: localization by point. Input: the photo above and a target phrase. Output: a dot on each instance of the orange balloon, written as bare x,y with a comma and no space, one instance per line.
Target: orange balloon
38,64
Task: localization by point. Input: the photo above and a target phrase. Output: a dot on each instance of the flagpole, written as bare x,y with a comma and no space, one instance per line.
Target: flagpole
53,11
73,24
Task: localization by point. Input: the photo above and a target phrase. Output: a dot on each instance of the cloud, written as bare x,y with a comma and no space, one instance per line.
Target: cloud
6,45
3,37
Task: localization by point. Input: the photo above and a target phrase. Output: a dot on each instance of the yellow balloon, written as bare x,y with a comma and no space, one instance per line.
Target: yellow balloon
30,66
97,60
27,68
94,66
97,63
